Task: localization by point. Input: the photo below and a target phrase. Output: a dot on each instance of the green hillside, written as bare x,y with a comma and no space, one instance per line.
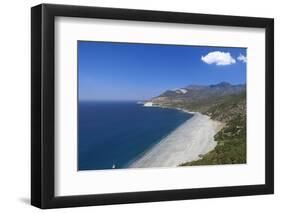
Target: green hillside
222,102
231,140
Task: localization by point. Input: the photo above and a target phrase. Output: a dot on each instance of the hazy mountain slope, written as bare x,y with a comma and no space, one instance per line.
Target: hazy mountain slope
223,102
231,147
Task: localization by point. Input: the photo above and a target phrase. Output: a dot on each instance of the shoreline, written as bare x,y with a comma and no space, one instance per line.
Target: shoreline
188,142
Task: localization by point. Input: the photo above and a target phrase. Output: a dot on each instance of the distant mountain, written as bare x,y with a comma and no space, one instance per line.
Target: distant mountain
223,102
197,92
197,97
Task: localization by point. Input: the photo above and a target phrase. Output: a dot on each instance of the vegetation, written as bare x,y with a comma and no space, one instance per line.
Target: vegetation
231,146
231,140
222,102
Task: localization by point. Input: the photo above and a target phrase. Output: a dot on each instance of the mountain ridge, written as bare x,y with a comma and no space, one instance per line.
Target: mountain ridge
223,102
199,98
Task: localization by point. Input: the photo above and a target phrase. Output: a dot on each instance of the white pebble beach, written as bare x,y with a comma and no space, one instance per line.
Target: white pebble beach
195,137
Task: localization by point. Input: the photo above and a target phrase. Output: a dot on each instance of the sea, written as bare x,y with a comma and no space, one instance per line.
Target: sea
113,134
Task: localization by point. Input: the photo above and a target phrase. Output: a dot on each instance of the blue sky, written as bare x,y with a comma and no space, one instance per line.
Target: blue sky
124,71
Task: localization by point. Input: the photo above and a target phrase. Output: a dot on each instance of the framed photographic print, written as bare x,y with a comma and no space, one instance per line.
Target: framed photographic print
139,106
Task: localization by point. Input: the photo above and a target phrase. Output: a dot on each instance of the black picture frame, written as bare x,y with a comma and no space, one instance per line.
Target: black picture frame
43,114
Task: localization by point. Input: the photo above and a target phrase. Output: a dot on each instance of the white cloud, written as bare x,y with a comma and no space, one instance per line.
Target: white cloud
218,58
242,58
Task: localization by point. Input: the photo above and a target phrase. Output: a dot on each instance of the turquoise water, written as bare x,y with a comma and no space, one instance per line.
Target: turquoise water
116,133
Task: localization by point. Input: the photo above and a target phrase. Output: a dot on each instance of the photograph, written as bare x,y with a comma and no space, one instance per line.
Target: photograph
135,105
146,105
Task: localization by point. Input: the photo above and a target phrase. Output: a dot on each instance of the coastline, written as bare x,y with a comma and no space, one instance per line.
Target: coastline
191,140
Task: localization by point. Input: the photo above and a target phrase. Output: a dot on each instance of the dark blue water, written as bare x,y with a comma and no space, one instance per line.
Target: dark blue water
119,132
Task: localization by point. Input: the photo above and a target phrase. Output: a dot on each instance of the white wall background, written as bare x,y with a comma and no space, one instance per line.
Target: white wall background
15,105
